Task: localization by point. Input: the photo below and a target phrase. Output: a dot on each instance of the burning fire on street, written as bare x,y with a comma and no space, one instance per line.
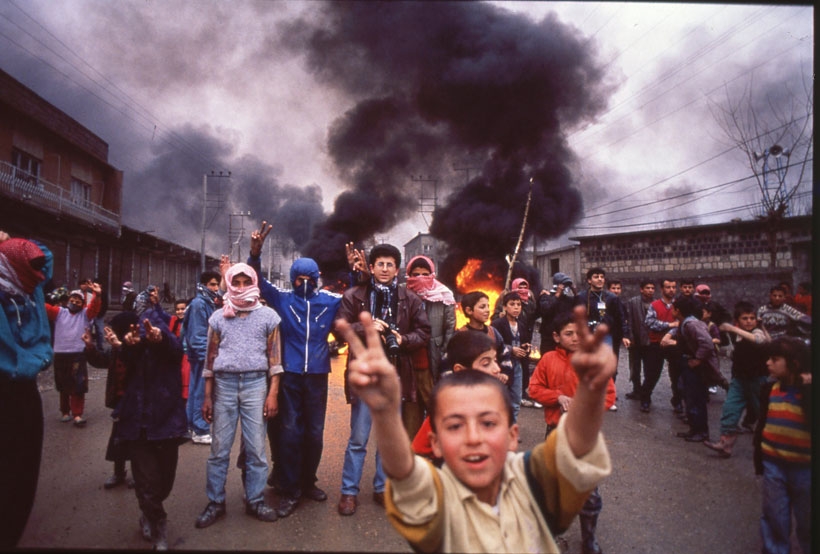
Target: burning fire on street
475,276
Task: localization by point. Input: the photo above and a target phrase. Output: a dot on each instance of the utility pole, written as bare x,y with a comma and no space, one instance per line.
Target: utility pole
215,203
427,202
236,234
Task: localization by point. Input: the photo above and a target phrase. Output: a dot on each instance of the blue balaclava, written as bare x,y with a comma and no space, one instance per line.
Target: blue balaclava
305,266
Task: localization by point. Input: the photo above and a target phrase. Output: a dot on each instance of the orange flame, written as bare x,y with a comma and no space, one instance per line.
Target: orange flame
471,278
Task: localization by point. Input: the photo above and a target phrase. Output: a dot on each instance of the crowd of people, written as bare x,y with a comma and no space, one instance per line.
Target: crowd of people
245,354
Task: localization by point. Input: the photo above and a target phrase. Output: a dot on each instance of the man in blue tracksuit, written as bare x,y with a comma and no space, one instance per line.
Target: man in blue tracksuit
307,319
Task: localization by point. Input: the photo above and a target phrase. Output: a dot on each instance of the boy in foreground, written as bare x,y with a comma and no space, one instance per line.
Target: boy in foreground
487,498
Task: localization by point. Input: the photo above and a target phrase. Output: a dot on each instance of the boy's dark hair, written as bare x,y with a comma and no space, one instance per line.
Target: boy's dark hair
512,295
687,306
469,378
743,307
595,271
796,353
206,276
687,281
781,288
667,280
180,301
465,346
562,320
709,306
643,282
384,251
470,299
614,282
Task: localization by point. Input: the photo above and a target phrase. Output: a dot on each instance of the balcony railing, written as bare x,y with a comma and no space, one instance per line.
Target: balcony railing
25,187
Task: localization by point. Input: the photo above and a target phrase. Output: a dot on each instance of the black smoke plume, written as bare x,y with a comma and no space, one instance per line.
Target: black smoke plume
438,83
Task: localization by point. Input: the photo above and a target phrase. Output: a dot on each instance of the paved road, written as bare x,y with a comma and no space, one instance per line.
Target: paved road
665,495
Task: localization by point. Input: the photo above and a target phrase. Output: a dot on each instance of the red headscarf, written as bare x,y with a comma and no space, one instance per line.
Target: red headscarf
18,259
523,293
426,286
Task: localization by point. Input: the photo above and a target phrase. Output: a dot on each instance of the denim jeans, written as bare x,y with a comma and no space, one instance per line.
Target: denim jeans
515,388
786,491
743,393
356,451
238,397
302,408
196,394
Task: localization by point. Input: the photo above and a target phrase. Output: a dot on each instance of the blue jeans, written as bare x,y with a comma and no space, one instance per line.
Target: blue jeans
238,397
743,393
356,451
515,388
786,490
196,394
302,408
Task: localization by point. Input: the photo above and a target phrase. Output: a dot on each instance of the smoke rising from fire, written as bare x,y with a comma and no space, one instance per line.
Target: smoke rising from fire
438,83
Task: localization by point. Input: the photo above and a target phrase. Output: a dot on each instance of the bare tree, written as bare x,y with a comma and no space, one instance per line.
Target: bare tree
774,130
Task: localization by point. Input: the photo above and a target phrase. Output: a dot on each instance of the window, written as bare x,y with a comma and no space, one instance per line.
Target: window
554,266
80,193
27,167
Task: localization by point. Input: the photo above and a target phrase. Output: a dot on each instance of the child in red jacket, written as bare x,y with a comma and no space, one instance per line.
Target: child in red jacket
553,384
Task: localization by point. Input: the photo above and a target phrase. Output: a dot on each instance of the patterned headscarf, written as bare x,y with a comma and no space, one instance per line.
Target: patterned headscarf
427,286
523,293
241,300
18,260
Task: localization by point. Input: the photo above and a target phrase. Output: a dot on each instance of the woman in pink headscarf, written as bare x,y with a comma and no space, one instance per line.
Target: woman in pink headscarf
440,306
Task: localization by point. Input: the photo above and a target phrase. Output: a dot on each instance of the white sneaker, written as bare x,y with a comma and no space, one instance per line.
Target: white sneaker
201,439
526,403
536,404
712,390
613,408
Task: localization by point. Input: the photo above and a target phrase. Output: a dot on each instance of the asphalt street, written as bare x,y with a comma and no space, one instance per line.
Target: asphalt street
665,495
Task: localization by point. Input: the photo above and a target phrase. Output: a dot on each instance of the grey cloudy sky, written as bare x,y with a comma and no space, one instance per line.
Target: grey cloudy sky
607,104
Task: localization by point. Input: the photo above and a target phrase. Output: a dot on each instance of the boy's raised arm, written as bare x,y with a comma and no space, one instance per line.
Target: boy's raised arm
375,382
595,364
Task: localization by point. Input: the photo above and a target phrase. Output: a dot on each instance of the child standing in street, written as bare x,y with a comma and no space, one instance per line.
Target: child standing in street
486,497
748,376
554,384
783,446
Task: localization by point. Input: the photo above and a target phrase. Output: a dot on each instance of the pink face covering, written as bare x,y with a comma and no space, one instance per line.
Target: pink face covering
523,293
426,286
241,300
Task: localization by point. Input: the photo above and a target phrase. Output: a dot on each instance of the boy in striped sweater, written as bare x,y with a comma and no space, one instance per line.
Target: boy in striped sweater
783,446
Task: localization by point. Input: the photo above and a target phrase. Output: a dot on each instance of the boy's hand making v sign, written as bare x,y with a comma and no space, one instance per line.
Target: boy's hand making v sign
595,364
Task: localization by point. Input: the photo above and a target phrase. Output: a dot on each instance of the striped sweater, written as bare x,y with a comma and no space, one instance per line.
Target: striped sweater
786,436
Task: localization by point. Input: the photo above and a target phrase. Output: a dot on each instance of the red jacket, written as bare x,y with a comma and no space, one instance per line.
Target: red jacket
553,377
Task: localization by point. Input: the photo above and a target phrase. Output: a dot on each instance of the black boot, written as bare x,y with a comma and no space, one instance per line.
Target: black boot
160,535
588,543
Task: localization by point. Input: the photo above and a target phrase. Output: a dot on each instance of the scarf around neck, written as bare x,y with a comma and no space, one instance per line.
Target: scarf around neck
428,287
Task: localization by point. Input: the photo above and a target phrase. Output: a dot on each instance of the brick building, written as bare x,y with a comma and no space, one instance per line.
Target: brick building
734,258
57,186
